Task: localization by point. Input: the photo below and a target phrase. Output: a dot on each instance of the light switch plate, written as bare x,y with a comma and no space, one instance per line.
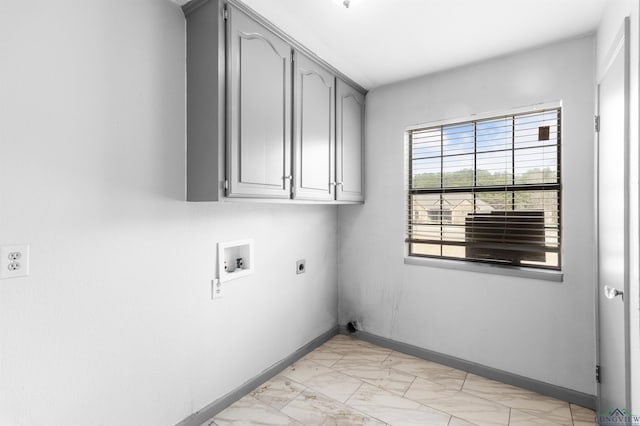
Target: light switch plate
14,261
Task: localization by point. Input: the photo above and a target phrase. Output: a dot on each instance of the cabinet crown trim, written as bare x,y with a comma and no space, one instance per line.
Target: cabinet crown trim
191,6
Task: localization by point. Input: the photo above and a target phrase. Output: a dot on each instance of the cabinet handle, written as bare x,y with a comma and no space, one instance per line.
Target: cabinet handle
338,183
332,184
287,177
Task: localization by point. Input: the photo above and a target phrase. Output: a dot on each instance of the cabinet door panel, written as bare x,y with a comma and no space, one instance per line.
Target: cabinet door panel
259,111
314,130
350,143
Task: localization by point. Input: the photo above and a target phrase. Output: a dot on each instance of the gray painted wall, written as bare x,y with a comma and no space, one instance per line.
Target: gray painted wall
114,325
538,329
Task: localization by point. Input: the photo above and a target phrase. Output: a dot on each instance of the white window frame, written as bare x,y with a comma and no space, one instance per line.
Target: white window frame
467,265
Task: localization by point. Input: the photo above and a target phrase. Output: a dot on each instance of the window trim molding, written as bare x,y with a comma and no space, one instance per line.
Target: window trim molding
485,115
486,268
555,275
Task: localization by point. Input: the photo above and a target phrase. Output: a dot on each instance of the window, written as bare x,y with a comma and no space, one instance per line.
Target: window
440,215
487,190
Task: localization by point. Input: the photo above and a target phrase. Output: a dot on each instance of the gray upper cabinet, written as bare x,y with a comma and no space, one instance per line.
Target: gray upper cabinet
259,110
350,143
206,109
314,128
266,118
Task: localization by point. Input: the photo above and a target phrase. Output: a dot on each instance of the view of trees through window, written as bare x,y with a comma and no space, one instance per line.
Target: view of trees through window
487,190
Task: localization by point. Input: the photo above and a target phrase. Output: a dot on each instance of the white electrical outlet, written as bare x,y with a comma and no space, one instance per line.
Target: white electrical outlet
14,261
217,289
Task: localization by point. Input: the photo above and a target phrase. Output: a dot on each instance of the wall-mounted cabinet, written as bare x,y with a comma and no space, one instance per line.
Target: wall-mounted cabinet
350,143
206,101
314,139
258,110
266,119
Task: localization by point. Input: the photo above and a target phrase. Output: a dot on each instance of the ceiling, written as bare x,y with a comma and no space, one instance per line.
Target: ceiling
376,42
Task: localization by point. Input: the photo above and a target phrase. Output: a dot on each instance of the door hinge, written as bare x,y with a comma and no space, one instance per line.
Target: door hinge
293,58
597,374
225,13
596,122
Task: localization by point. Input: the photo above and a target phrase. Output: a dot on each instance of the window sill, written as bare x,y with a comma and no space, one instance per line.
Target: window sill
513,271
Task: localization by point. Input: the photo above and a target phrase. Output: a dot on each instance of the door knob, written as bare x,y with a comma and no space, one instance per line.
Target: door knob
611,292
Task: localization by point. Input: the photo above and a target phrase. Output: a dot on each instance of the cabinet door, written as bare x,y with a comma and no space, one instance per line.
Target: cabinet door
258,111
314,128
350,143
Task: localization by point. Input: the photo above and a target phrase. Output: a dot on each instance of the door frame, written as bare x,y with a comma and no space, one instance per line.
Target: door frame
620,44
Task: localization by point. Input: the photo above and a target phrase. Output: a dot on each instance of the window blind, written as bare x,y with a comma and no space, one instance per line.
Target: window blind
487,190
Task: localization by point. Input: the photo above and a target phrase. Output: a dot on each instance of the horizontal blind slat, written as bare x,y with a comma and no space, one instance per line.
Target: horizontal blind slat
487,190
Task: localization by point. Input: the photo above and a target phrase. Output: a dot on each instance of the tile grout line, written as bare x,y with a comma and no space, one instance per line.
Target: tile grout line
409,387
509,407
484,398
337,360
438,409
362,382
313,389
295,397
357,410
366,415
267,406
402,397
352,393
422,404
379,367
279,410
462,389
333,400
466,375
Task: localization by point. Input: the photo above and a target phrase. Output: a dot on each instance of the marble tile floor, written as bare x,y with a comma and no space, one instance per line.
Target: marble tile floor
351,382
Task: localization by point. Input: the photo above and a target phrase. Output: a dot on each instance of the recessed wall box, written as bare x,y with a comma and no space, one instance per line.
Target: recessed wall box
235,259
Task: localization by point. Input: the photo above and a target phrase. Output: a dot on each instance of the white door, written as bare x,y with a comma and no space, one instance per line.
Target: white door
613,207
